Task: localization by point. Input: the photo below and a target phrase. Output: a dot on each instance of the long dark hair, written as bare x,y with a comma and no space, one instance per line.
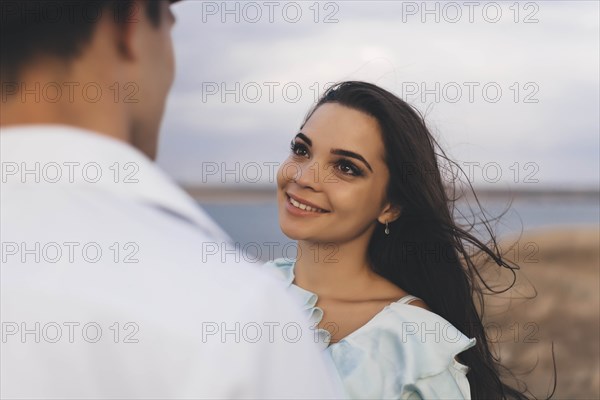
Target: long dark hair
427,252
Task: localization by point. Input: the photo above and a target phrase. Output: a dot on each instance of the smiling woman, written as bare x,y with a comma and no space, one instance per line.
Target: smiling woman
330,160
394,304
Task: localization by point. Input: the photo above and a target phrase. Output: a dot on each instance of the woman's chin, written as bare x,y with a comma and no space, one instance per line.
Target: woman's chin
294,234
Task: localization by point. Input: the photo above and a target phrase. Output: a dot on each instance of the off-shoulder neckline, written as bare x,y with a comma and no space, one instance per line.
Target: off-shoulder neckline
377,316
290,281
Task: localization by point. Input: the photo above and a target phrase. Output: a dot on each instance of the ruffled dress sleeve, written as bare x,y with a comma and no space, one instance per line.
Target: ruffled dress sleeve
451,383
404,352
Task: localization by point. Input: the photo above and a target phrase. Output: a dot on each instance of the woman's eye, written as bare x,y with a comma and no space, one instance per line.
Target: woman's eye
348,168
299,149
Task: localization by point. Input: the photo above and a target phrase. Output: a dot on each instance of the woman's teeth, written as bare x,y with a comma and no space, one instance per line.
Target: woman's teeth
304,206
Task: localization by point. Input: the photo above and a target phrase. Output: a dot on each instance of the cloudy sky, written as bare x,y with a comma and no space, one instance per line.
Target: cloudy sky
510,89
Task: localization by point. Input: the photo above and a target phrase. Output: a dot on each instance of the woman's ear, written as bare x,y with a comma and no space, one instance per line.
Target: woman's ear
390,213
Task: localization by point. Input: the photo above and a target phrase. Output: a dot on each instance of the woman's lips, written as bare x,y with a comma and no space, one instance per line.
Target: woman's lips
297,207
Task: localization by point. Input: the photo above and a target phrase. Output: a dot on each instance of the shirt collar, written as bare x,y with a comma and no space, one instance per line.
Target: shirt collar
69,156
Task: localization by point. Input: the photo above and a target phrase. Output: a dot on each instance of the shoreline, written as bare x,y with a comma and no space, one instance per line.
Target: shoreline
240,194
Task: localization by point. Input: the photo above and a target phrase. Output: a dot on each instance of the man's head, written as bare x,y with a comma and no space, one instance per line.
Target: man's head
123,47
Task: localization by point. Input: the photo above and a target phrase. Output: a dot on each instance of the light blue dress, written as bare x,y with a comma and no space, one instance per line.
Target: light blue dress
403,352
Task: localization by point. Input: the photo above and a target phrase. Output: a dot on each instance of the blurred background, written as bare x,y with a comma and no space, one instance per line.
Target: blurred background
511,91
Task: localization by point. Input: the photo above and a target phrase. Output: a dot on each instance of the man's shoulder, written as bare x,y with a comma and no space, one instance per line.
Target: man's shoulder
99,233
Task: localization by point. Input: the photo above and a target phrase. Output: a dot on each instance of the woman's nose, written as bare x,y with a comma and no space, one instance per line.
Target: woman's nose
308,174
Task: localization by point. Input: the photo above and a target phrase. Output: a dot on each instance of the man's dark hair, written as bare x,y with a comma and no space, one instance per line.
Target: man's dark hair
59,28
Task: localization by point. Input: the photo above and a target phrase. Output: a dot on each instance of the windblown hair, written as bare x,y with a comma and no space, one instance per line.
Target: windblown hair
427,252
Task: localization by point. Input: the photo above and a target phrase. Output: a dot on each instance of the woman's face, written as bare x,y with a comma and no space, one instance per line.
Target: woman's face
336,167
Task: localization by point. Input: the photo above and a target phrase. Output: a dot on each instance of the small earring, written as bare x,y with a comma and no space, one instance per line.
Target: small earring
387,228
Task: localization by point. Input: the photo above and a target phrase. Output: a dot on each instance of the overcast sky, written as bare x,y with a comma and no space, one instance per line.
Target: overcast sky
510,89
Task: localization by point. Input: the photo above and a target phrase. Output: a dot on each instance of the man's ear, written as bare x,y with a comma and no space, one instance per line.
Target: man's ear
126,33
390,213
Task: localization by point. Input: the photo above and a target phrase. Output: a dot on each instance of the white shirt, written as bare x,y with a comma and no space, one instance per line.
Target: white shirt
108,289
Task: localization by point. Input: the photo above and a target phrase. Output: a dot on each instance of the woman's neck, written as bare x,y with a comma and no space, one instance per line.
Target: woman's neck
333,270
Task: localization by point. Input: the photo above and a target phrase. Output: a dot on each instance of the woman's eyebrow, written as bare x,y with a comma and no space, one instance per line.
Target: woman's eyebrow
339,152
305,138
351,154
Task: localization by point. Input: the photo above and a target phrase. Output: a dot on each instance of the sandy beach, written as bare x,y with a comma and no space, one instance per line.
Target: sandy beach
561,268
